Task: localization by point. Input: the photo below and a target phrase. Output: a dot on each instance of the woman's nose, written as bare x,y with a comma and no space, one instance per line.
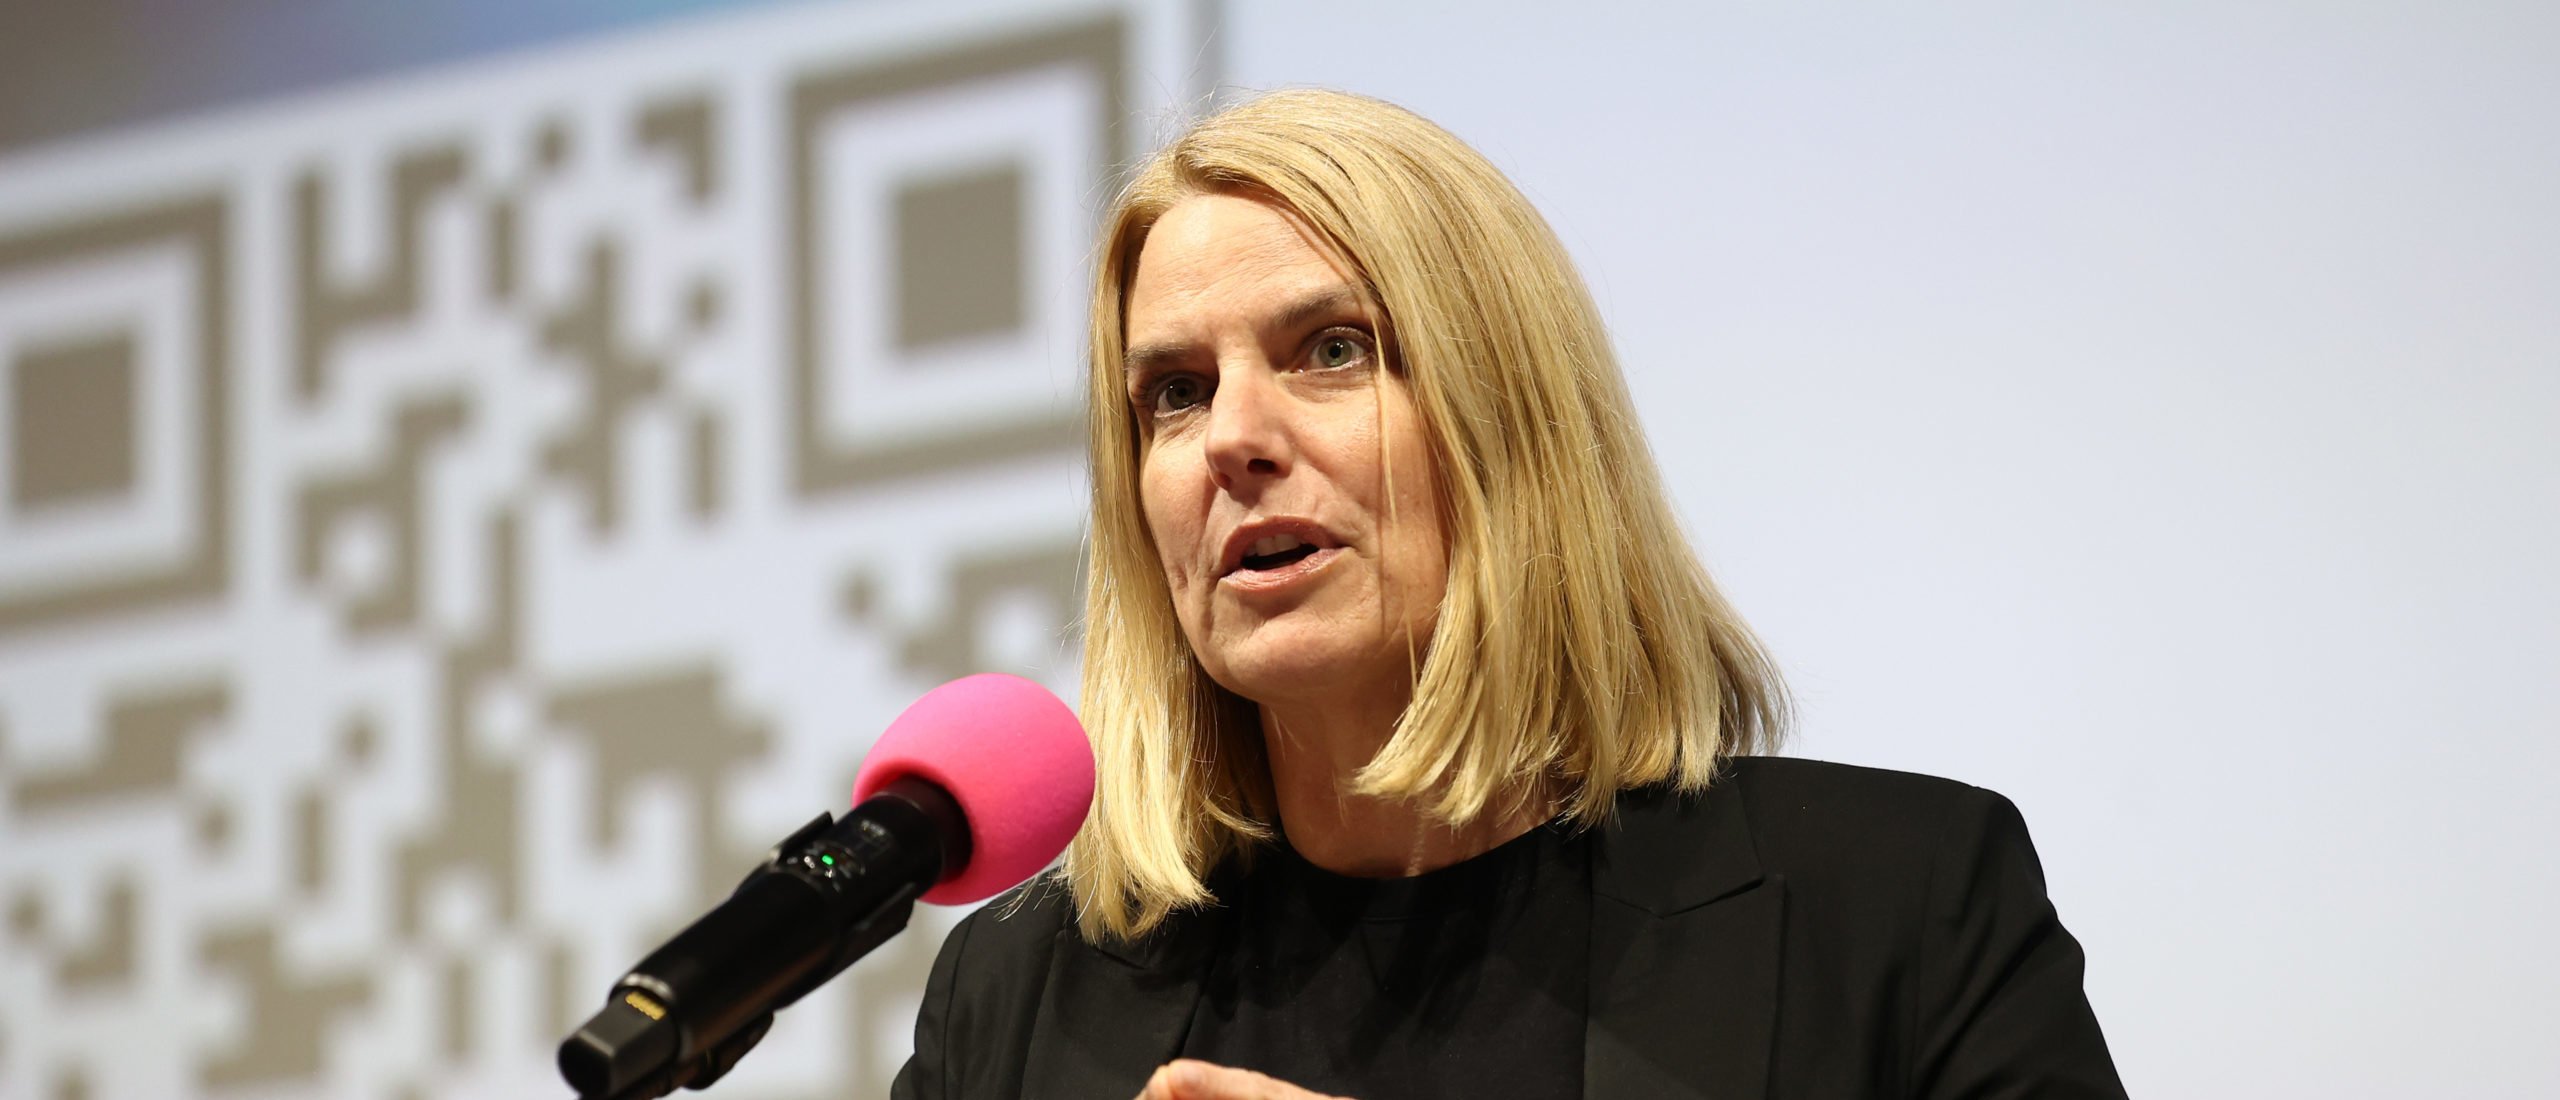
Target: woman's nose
1248,436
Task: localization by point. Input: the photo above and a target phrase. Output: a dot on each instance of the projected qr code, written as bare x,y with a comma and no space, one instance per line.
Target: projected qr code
449,528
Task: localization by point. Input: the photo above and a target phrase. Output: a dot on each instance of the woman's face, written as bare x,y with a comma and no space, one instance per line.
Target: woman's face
1284,476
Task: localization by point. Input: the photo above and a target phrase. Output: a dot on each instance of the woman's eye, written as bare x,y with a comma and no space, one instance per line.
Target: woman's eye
1338,351
1178,393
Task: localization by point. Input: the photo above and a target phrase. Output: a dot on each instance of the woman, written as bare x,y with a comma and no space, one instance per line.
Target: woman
1424,739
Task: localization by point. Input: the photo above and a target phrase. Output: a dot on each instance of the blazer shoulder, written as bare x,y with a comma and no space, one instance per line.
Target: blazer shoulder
1813,820
1018,925
1821,802
982,998
1904,908
998,957
1772,780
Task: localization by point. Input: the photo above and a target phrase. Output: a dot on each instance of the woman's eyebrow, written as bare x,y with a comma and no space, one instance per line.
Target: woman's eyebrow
1146,360
1333,300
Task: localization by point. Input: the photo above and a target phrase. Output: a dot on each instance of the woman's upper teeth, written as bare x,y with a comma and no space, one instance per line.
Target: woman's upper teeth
1274,544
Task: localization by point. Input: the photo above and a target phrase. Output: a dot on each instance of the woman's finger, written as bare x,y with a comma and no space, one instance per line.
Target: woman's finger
1190,1079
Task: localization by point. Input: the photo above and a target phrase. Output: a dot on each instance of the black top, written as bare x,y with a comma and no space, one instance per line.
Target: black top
1801,930
1446,984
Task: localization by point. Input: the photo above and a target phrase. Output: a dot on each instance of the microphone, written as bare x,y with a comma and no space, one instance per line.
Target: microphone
974,788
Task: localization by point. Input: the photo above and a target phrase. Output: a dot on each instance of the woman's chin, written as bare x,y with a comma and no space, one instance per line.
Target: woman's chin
1320,668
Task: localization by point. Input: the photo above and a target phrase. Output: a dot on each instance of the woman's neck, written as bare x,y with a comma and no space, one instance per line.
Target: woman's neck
1314,761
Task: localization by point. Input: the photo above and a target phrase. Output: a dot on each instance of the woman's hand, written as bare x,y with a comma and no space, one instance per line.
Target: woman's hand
1187,1079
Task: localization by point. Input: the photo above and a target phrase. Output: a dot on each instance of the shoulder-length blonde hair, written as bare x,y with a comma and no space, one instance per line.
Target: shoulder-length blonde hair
1579,639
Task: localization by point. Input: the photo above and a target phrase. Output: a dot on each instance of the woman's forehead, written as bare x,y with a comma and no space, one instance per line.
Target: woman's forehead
1225,239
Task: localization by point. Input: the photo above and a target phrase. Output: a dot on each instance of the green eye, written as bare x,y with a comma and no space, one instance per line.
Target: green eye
1336,351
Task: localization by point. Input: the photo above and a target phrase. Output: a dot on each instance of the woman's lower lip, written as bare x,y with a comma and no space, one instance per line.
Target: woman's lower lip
1269,580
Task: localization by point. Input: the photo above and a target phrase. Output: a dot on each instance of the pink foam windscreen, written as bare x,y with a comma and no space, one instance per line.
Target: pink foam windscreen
1012,755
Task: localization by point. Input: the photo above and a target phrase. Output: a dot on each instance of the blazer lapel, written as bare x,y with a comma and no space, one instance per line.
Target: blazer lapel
1110,1015
1685,936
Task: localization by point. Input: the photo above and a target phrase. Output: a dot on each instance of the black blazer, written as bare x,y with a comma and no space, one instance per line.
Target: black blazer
1800,930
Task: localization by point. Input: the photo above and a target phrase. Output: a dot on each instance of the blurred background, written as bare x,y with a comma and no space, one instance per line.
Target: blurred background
476,474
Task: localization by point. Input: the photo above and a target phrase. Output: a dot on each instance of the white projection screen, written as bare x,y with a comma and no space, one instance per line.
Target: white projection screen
473,479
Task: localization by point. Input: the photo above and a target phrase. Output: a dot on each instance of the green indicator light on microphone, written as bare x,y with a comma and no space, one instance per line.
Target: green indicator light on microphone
828,860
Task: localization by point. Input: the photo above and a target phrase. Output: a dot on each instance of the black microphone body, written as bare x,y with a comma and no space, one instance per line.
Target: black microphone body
824,897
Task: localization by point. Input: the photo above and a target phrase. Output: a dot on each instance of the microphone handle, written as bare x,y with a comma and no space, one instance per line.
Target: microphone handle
824,897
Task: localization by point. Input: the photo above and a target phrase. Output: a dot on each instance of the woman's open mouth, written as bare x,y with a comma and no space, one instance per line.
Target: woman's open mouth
1277,561
1276,551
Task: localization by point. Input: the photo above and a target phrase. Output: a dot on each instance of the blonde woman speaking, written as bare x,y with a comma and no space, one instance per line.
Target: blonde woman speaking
1428,753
